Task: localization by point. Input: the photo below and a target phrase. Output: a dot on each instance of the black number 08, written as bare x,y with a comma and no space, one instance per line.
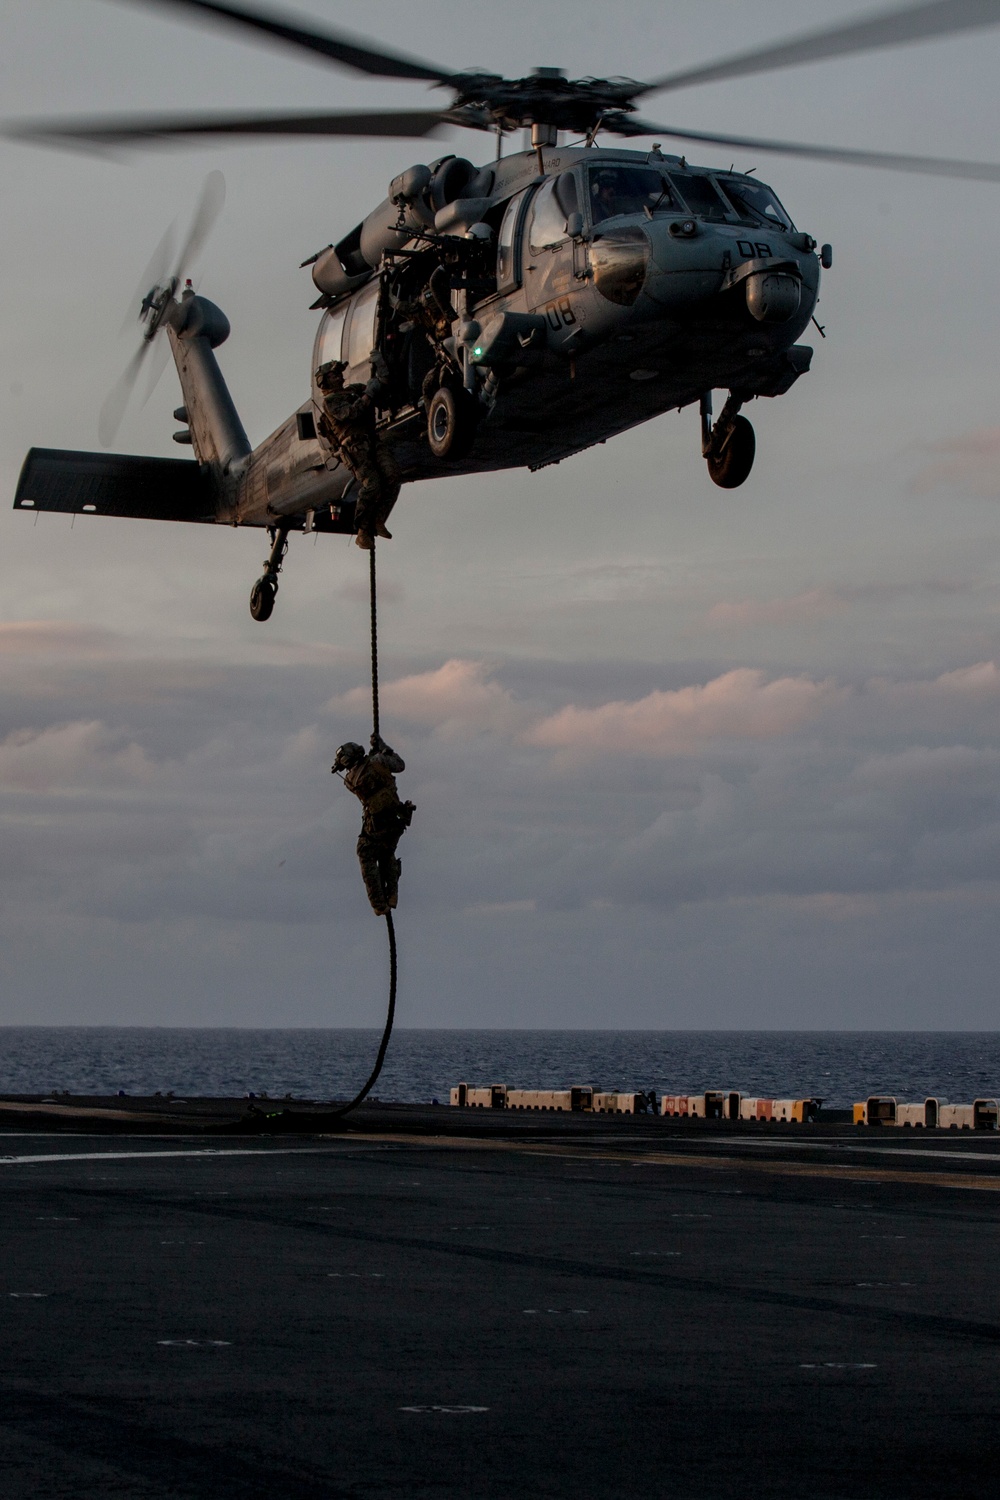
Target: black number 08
559,314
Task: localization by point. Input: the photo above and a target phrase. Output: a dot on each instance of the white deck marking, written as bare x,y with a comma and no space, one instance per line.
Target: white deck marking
450,1409
207,1152
195,1343
582,1312
829,1364
897,1151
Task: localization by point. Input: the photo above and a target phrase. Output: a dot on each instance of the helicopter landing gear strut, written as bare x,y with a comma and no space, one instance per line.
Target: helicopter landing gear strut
727,445
263,593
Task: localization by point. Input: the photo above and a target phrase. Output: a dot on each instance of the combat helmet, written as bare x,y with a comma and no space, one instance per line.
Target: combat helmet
332,373
348,756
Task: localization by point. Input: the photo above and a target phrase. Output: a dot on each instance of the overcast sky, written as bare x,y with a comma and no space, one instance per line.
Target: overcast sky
681,756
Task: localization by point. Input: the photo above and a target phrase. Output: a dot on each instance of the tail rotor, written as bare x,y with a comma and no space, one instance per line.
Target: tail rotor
152,302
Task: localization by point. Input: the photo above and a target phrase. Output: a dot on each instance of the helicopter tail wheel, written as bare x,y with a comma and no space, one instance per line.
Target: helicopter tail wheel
452,418
262,597
730,464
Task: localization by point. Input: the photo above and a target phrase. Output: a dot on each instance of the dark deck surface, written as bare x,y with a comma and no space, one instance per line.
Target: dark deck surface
440,1303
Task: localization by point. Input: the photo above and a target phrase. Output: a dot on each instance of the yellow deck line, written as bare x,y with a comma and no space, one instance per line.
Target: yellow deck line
846,1173
92,1111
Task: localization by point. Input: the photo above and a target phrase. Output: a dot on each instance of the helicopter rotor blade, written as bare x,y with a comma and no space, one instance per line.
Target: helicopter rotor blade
932,166
128,131
888,28
113,410
154,275
351,52
210,205
157,364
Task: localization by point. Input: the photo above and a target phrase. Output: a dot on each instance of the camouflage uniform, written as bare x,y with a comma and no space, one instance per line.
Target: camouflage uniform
372,779
348,424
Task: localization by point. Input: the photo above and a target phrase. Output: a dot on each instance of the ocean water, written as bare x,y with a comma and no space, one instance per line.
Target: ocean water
836,1066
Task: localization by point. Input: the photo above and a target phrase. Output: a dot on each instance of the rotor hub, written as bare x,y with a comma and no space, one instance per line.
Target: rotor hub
544,97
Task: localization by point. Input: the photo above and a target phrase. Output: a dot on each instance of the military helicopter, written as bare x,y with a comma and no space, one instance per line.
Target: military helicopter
518,312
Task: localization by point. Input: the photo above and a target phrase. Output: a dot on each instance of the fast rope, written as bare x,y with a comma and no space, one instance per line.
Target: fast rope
373,596
338,1114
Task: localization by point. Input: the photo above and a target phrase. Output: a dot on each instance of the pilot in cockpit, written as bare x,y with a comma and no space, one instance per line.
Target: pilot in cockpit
607,198
616,191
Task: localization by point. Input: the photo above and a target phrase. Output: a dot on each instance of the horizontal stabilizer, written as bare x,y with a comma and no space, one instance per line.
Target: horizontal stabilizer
115,484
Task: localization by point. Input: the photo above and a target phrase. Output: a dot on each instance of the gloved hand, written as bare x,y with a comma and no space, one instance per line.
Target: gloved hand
377,742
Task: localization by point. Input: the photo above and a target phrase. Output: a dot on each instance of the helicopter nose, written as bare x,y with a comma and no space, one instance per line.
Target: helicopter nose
773,297
691,266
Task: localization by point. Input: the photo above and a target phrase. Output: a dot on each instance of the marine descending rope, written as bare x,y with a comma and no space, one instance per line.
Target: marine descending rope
338,1114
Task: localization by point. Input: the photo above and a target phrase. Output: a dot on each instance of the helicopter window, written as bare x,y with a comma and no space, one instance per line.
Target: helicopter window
755,202
548,218
330,337
507,266
569,199
361,337
704,199
615,191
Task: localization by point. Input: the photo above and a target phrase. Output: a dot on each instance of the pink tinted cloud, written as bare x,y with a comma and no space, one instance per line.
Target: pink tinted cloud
457,698
64,637
460,698
796,609
970,462
737,705
975,684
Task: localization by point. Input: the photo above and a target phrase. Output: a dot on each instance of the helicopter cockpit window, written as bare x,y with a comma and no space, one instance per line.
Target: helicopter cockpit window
755,203
704,199
507,260
548,218
615,191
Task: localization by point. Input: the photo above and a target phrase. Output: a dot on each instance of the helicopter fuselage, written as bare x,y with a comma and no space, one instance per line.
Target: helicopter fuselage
551,300
574,325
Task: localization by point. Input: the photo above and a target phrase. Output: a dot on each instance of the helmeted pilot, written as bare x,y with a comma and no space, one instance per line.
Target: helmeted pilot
605,191
372,779
618,190
347,422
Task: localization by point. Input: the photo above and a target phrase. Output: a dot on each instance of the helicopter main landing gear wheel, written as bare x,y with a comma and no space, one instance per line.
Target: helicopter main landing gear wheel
729,446
452,419
730,464
264,591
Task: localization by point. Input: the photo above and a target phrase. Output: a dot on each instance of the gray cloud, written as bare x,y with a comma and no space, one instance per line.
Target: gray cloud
748,795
